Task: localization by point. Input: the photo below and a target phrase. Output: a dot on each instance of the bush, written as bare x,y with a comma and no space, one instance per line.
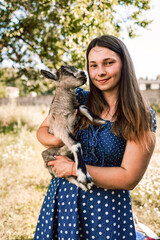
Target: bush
156,107
13,118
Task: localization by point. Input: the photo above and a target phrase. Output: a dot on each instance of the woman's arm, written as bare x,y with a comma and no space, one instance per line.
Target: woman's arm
127,176
46,139
131,171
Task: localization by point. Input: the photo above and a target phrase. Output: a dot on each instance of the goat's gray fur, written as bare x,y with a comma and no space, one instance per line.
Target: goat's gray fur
62,121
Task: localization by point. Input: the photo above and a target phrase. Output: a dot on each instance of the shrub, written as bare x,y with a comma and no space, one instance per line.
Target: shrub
13,118
156,107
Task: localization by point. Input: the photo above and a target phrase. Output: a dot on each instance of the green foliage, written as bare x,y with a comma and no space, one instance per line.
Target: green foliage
11,127
14,118
15,127
2,90
56,32
156,107
27,80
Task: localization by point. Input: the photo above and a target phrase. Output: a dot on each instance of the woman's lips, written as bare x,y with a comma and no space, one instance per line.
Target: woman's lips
103,80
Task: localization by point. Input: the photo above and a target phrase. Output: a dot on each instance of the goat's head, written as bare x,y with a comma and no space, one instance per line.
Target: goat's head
67,77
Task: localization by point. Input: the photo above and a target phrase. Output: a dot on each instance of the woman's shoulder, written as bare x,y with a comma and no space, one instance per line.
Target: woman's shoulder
81,95
153,123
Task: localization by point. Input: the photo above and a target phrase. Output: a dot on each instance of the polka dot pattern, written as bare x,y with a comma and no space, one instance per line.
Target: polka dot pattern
70,213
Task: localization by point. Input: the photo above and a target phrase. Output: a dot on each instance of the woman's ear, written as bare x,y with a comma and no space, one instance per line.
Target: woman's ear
49,75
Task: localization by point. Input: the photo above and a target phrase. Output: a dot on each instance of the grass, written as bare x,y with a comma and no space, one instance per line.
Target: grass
13,118
24,180
146,196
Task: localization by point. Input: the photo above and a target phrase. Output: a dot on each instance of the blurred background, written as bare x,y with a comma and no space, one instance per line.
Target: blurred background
46,34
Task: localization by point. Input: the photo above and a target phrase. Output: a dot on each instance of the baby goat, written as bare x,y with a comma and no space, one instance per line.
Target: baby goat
62,121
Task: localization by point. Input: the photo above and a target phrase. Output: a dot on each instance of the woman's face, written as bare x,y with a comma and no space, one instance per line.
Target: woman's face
104,68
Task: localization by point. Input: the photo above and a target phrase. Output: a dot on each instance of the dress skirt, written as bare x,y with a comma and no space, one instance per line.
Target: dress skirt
69,213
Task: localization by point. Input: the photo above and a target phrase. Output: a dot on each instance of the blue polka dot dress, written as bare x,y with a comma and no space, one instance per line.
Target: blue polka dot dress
69,213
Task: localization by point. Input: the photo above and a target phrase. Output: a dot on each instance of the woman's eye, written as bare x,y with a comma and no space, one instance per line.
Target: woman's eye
93,66
109,63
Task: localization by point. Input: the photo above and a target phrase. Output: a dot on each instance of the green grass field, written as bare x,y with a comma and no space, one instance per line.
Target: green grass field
24,179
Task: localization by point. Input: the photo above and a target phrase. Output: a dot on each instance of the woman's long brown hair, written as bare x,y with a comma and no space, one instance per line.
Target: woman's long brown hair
132,116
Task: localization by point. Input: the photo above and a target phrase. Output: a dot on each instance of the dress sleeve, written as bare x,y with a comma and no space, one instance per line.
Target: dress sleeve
81,95
153,124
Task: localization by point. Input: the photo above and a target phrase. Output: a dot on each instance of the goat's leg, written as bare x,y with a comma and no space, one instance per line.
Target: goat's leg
79,184
91,116
81,171
48,155
81,168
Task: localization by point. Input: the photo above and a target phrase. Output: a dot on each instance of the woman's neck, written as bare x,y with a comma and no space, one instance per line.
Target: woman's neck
111,99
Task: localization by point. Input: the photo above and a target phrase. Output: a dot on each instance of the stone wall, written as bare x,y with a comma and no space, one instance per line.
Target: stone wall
151,96
39,100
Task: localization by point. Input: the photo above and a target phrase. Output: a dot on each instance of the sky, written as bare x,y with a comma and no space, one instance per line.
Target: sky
145,49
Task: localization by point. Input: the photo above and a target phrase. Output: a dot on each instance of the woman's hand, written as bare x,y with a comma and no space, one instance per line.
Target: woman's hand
63,166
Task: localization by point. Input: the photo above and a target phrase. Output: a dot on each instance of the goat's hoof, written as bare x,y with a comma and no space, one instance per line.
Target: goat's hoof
48,159
85,187
85,180
90,185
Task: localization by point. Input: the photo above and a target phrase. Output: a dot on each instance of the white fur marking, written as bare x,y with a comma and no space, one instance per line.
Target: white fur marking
81,176
85,112
75,147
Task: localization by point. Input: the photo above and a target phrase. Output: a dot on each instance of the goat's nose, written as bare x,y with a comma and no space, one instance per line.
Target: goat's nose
83,74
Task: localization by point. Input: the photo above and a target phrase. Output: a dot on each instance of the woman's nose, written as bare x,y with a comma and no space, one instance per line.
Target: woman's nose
101,71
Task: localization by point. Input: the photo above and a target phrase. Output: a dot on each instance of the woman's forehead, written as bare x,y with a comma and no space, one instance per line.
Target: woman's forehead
101,53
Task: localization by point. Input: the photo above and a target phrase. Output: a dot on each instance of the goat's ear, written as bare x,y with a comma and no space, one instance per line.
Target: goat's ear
49,75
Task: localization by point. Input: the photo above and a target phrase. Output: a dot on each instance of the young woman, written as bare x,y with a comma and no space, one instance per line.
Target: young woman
116,153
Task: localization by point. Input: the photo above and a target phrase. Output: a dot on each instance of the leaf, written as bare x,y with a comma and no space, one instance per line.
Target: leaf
56,32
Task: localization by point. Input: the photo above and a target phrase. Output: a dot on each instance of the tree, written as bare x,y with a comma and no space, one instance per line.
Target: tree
56,32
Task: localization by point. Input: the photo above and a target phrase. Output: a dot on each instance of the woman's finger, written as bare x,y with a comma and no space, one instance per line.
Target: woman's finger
51,163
